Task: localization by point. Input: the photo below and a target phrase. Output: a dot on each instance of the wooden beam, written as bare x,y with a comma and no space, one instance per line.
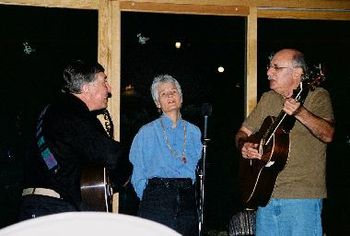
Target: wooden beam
192,6
184,8
104,34
303,14
302,4
310,4
79,4
109,56
115,65
251,50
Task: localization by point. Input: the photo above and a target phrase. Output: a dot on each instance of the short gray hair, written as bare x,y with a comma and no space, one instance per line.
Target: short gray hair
299,61
78,73
163,79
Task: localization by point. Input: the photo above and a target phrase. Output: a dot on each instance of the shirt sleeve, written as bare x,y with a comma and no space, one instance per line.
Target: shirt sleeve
96,145
320,104
198,142
138,179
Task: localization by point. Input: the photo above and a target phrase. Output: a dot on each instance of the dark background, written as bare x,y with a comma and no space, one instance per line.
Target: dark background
30,78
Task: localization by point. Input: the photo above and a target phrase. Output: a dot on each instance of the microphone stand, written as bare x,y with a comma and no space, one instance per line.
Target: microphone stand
201,174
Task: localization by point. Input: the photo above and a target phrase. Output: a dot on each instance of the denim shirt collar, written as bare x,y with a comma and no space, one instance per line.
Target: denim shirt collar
168,122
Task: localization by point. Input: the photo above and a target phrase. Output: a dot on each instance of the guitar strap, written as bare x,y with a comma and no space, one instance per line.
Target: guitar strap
108,123
45,152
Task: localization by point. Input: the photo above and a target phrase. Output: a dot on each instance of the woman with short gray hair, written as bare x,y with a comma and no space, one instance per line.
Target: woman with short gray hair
165,154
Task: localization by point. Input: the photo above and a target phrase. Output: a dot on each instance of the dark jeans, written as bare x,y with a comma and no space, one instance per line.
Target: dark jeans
171,202
37,205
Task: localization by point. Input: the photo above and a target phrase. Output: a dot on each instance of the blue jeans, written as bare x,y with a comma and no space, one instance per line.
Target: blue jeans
290,217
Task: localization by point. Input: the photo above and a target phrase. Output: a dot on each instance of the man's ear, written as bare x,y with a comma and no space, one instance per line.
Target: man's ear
85,88
298,73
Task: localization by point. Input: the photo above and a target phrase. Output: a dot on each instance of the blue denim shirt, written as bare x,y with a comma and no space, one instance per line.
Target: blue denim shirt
152,157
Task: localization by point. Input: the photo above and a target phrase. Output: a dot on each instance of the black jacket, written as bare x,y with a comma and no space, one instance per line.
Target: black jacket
74,136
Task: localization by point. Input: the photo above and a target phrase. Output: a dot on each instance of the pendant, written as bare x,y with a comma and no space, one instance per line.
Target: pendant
183,159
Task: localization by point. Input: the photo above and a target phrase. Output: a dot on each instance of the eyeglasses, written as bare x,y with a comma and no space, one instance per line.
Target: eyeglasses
277,68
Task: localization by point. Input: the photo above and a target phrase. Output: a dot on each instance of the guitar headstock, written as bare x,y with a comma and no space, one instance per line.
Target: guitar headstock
314,77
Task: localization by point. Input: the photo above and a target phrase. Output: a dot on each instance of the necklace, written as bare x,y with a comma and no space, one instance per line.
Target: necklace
174,152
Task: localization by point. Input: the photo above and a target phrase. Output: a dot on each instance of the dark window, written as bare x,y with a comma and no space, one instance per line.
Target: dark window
35,44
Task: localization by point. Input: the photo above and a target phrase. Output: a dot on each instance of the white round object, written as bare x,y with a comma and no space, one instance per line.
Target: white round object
88,223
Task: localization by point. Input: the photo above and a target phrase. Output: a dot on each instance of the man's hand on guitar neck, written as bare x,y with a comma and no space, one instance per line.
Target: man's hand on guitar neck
248,149
291,106
321,128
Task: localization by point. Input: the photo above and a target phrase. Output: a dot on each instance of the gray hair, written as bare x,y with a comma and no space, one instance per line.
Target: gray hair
78,73
163,79
299,61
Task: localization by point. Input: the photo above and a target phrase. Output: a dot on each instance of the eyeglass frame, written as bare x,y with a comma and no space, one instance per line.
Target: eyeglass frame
278,68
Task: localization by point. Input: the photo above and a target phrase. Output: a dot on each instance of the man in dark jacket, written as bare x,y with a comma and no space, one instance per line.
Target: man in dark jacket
69,136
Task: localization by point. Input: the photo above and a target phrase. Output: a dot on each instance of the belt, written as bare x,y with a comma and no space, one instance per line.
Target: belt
40,191
171,182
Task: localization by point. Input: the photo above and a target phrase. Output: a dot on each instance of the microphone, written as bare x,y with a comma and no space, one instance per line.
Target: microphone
206,111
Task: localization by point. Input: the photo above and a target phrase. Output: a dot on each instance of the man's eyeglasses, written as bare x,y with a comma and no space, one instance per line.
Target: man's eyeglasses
278,68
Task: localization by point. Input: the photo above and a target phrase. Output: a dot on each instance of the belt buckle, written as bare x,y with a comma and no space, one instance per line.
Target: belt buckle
166,183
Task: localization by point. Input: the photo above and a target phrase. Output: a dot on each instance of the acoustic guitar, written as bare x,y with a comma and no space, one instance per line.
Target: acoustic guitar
257,177
95,186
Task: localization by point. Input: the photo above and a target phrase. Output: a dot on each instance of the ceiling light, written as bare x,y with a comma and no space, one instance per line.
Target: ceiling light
178,44
221,69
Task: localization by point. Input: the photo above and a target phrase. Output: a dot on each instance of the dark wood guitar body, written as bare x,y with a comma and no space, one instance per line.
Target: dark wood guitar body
96,190
257,177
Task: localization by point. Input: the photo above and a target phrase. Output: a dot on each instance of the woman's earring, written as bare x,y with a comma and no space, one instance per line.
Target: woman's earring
158,108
